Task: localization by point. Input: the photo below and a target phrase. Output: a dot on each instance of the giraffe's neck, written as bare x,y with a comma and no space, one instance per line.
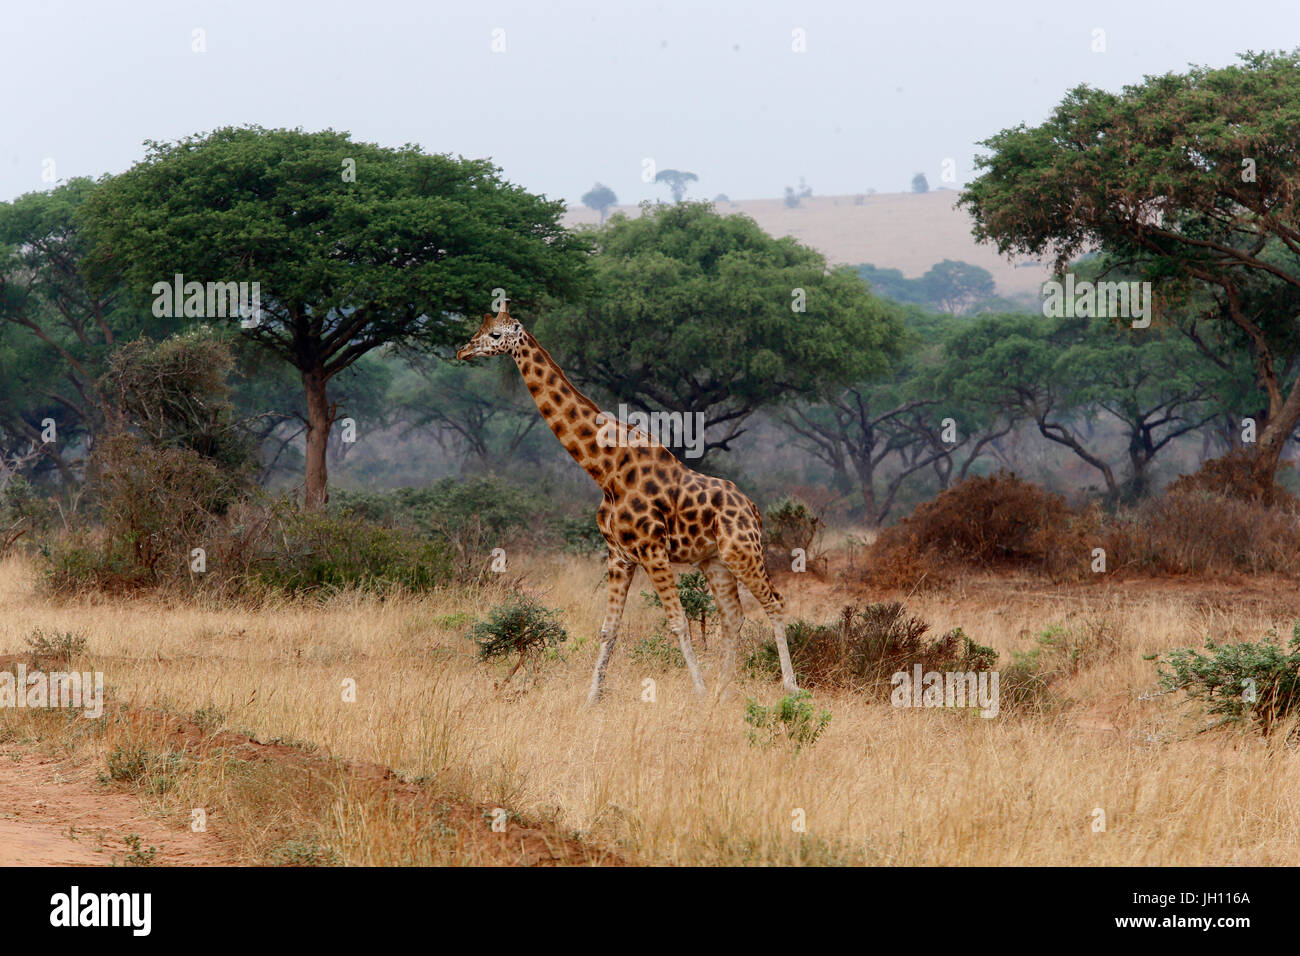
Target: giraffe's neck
571,415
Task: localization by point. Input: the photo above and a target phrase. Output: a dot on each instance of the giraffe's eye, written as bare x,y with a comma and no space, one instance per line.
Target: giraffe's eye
495,335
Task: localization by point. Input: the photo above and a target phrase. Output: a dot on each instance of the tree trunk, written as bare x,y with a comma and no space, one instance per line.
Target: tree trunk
319,419
1281,423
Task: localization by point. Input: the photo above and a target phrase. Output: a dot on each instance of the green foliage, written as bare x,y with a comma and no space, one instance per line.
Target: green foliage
697,600
1030,681
791,523
580,534
55,330
792,718
1183,147
313,552
920,184
640,337
676,180
127,764
948,286
356,246
162,479
140,855
1259,681
55,648
23,512
520,627
658,650
447,507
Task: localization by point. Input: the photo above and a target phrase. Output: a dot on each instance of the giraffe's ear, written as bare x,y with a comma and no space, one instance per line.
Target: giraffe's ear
488,318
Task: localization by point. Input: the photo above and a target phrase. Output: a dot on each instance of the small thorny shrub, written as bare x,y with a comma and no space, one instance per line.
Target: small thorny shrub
1255,681
697,600
521,627
792,718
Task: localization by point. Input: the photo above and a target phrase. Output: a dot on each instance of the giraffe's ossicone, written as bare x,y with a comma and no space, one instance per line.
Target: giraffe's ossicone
655,510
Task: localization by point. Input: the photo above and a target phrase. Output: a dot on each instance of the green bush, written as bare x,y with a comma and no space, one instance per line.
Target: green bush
697,600
448,508
580,535
1259,682
658,651
791,523
1028,682
792,718
314,551
521,627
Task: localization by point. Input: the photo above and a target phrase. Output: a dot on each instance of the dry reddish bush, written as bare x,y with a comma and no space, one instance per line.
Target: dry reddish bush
998,521
1190,532
867,645
1231,477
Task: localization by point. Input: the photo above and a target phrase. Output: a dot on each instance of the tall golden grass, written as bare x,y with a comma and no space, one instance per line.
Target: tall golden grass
676,781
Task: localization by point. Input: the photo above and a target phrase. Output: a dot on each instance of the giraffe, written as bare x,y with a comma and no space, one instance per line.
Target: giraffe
654,510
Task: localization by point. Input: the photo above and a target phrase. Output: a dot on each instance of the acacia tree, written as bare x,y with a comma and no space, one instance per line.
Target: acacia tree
599,197
1192,181
676,179
55,331
354,245
696,312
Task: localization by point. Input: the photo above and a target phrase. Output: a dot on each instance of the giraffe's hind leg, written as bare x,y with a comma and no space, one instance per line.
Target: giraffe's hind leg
723,585
620,579
744,558
661,573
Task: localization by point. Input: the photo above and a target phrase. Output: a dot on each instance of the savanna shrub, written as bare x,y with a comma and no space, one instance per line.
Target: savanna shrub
1030,681
1194,532
865,647
1231,477
695,596
989,522
521,627
309,551
580,535
790,524
791,719
1259,682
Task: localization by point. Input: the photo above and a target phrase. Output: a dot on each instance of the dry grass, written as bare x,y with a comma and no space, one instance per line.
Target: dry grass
674,782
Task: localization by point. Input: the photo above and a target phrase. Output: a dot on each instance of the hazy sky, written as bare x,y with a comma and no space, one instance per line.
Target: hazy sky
587,91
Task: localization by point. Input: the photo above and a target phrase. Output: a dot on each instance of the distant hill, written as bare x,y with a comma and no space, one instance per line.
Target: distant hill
905,231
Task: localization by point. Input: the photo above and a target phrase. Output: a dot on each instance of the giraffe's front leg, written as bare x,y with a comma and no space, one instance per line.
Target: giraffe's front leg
620,579
661,573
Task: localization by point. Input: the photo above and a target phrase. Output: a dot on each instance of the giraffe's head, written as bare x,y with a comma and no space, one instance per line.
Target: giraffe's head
498,333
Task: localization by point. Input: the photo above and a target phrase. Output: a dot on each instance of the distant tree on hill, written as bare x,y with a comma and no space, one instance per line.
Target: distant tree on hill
920,184
676,180
600,197
951,286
